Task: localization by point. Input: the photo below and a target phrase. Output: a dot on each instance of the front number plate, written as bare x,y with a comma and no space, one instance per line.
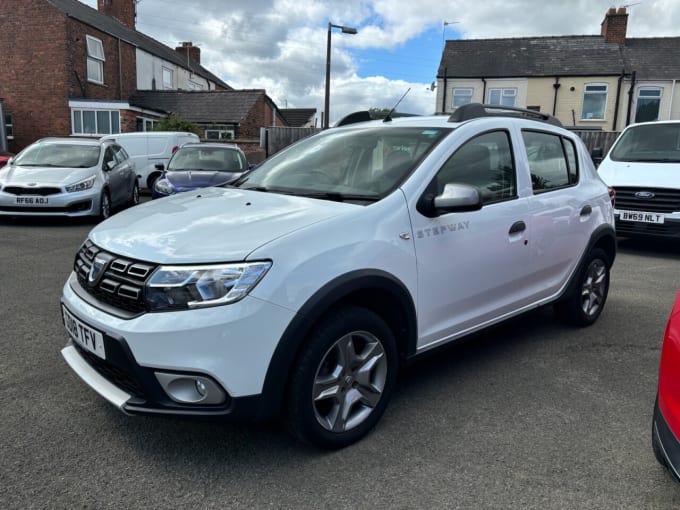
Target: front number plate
641,217
84,335
26,200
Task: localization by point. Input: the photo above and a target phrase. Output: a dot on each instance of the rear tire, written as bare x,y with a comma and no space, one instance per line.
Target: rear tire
134,197
343,379
585,303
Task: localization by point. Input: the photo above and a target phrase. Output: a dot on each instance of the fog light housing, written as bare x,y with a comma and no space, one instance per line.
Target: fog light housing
191,388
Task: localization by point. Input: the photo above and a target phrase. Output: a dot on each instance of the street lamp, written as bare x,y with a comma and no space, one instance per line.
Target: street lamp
345,30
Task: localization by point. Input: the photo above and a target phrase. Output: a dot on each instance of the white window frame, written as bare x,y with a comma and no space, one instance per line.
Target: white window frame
648,88
595,92
95,60
168,76
9,125
220,133
505,92
99,130
461,96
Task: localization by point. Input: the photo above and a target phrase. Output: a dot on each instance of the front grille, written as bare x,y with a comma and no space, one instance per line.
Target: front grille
635,228
83,206
115,375
663,201
116,281
42,191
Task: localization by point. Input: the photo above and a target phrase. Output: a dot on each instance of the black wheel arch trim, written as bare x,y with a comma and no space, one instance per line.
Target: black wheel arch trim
605,237
339,290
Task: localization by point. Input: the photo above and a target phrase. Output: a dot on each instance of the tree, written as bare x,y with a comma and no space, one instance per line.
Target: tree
174,122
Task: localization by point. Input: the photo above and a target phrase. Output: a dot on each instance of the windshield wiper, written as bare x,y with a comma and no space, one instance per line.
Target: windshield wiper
337,197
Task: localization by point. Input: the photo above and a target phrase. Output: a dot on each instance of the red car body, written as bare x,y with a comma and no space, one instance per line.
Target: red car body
666,422
5,157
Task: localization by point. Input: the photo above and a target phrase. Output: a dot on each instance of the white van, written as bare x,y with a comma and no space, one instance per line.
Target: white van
643,167
146,148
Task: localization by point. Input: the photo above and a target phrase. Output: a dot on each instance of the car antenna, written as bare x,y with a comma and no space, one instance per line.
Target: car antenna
388,117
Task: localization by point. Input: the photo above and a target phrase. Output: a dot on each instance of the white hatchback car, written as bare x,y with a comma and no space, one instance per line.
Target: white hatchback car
643,167
68,177
303,287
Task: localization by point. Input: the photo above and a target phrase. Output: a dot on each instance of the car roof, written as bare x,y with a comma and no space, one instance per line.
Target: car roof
214,145
74,141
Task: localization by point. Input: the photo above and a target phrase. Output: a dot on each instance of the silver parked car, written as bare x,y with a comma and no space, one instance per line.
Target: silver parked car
68,177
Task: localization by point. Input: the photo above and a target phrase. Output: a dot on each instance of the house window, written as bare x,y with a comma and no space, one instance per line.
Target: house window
167,78
144,124
461,97
95,60
648,103
502,97
594,101
95,122
219,134
9,126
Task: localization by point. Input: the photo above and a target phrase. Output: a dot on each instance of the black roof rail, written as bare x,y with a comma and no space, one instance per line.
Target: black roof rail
476,110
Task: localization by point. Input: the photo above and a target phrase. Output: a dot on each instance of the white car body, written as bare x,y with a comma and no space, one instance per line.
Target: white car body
452,274
647,192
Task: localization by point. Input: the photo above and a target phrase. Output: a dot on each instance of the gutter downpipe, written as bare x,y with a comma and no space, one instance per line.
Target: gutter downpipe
630,96
556,86
484,90
618,99
444,91
670,106
120,73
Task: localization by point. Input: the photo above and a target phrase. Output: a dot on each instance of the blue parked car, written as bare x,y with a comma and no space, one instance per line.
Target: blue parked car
199,165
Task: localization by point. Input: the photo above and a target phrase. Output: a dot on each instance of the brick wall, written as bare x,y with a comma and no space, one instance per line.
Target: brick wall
33,76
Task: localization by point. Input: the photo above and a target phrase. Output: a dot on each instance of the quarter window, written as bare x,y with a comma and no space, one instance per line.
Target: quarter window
502,97
95,122
95,60
594,101
648,102
552,160
461,96
484,162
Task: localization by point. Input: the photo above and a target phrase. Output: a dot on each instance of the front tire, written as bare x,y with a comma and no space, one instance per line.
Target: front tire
585,303
343,379
134,196
104,206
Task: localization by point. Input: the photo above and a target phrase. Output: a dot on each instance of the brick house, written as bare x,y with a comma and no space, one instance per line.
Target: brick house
604,81
69,69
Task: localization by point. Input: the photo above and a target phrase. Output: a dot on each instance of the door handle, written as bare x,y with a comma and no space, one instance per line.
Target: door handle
517,227
586,210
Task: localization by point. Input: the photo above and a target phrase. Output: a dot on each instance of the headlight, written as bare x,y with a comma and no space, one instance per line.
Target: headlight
182,287
164,186
81,186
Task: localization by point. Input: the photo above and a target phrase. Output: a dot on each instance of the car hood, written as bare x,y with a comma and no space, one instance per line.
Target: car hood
199,179
43,176
209,225
642,175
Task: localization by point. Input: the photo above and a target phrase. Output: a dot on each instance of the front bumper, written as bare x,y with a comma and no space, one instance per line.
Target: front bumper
669,229
84,203
231,345
667,443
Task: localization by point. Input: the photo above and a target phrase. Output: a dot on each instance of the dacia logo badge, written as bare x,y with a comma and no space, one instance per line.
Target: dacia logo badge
644,194
97,269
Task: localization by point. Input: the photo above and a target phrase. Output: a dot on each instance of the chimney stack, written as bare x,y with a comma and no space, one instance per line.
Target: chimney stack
614,25
124,11
188,49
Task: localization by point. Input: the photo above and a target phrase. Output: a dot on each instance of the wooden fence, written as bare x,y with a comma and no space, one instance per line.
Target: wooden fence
594,139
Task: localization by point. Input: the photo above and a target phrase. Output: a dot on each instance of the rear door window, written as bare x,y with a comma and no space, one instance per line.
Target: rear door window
552,160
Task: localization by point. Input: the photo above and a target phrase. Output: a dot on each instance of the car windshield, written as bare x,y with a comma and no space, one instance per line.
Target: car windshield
211,159
63,155
649,142
353,163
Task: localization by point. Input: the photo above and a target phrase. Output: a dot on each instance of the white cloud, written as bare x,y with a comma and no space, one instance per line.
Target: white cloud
280,45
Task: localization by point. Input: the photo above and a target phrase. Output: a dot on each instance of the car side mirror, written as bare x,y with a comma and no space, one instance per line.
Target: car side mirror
109,165
454,198
159,166
596,155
